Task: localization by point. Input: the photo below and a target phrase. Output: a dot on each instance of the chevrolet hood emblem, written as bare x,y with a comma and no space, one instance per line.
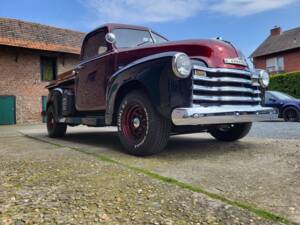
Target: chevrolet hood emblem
236,61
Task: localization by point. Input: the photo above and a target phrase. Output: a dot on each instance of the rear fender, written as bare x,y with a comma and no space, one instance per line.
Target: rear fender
55,99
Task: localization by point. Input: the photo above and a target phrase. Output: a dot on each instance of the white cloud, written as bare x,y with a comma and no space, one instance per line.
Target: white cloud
143,11
249,7
133,11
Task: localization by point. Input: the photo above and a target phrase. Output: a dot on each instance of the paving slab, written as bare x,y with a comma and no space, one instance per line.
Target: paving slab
262,172
42,183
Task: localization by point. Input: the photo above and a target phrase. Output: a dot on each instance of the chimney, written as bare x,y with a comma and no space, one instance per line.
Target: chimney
276,31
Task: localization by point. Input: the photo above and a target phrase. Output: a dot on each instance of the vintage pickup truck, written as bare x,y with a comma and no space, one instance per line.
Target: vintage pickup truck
150,88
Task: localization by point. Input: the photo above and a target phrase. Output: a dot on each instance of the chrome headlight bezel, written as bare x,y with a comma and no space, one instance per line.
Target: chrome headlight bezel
264,78
182,65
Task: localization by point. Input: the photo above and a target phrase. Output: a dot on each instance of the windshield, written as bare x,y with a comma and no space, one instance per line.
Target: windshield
129,38
281,96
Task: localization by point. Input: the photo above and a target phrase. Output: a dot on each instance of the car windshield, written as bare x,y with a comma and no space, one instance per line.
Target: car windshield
129,38
281,96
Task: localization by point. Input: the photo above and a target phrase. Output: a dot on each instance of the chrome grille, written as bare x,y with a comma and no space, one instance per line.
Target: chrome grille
225,88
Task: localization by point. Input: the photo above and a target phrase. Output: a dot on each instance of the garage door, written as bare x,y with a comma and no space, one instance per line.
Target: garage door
7,110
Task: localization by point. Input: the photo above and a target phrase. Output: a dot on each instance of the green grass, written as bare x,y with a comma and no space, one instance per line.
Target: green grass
258,211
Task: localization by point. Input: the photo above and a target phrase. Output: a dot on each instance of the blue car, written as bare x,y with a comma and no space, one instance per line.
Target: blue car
288,106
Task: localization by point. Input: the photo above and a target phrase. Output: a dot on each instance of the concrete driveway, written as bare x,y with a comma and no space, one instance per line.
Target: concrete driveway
261,172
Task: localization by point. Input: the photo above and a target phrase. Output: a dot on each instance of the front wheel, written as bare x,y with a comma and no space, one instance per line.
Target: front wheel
230,132
142,131
54,128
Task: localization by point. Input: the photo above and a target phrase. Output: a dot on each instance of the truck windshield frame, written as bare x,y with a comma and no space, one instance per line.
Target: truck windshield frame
130,38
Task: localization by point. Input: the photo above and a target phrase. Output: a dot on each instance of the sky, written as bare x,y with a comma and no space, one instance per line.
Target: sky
246,23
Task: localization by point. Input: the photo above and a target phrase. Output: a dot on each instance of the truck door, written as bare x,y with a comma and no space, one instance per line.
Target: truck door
93,72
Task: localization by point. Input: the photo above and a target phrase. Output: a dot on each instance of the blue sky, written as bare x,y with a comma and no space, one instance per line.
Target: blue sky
244,22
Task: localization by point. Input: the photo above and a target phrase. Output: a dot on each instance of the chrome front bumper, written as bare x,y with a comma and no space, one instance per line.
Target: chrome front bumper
222,115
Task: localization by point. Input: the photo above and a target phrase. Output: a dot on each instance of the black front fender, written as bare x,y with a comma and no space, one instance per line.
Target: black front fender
155,76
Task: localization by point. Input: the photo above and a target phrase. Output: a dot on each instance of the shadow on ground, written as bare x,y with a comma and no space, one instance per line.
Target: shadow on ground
191,146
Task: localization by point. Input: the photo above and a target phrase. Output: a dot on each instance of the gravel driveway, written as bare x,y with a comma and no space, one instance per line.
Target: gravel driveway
42,183
256,173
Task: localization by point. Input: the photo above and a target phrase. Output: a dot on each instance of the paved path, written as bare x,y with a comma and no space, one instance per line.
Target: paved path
280,130
42,183
264,173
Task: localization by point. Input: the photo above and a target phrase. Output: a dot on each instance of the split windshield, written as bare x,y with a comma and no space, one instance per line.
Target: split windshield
129,38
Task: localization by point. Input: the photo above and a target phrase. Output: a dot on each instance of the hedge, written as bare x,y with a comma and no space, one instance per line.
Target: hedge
288,83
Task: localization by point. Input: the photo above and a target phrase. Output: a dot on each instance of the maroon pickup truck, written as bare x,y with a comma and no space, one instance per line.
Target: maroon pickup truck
150,88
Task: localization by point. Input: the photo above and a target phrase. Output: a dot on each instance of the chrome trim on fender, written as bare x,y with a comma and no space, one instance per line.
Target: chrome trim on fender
222,70
59,90
145,59
222,115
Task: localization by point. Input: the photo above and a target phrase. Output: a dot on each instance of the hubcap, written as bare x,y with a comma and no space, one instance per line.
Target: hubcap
134,123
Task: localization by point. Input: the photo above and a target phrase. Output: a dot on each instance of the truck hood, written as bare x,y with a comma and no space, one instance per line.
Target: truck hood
213,52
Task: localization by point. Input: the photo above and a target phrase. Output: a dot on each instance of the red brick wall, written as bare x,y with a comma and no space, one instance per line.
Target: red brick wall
291,60
260,63
20,76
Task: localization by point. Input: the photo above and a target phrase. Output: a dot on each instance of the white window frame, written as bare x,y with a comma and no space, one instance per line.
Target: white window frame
275,64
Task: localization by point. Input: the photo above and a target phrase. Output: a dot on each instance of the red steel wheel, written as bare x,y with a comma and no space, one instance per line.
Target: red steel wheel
134,123
54,128
142,130
50,121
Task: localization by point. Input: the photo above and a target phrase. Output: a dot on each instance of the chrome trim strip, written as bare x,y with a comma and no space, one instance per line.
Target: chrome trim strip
224,88
223,79
83,62
145,59
222,115
222,70
226,98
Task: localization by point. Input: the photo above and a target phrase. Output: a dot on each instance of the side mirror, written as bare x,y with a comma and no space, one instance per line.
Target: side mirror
273,100
110,38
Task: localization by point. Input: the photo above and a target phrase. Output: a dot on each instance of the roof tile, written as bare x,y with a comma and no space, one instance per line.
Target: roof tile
37,36
286,41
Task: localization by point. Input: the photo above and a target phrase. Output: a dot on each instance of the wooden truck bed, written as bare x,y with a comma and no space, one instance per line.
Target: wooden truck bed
66,77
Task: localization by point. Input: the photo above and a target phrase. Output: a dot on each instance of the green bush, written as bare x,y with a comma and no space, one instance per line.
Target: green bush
288,83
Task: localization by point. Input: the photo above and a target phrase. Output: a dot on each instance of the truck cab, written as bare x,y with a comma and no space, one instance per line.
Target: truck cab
150,88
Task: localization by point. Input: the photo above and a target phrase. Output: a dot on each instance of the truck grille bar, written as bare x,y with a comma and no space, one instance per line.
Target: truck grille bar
224,87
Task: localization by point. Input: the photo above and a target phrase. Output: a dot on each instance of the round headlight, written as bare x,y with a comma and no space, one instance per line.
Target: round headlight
264,78
182,65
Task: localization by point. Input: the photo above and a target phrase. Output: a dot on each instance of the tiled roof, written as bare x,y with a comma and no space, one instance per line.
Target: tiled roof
23,34
278,43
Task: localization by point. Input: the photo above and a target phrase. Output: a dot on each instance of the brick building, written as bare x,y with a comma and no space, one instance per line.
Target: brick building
30,56
280,52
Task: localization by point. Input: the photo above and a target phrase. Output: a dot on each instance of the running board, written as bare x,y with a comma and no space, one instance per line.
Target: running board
92,121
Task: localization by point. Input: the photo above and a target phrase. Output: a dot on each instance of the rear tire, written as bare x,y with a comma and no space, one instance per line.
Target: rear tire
142,130
232,132
54,128
291,114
